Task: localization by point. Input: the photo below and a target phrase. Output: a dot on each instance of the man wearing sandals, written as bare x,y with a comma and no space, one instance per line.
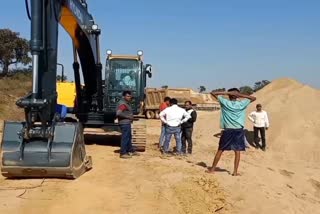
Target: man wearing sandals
232,119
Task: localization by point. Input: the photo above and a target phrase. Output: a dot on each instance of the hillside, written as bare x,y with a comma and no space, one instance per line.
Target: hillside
11,89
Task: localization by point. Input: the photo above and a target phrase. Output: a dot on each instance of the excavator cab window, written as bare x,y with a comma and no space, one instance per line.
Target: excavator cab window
123,74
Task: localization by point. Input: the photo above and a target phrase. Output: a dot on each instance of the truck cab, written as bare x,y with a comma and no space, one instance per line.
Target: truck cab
125,73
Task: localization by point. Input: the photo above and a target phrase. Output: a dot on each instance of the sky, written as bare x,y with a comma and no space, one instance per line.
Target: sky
213,43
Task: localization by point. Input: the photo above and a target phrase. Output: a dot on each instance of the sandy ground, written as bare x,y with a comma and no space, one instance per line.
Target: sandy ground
270,183
145,184
284,179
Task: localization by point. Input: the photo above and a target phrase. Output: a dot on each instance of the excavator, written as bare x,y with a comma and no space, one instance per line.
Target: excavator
45,144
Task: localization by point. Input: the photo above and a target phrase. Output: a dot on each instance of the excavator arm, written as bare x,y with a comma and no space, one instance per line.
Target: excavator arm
42,146
75,19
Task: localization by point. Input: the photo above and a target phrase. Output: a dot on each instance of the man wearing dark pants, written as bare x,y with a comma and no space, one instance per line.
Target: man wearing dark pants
173,117
125,118
187,128
232,119
260,124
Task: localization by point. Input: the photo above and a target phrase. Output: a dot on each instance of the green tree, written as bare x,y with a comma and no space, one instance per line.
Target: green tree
13,49
219,89
165,86
59,77
246,90
259,85
202,89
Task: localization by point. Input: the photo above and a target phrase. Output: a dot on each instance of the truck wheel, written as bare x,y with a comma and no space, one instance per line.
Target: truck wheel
149,114
157,114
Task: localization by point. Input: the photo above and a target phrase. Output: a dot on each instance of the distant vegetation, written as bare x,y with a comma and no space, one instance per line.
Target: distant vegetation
219,89
259,85
248,89
202,89
14,50
59,78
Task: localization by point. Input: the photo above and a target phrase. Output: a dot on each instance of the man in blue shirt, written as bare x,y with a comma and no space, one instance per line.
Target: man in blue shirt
232,120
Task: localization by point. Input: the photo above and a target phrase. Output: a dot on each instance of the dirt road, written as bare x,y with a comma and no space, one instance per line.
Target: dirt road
152,184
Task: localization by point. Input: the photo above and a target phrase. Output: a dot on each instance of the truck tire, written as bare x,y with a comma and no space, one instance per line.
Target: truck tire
149,114
157,114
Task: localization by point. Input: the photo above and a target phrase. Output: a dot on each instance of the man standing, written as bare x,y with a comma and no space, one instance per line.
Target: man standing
260,124
232,119
125,118
187,128
163,106
173,117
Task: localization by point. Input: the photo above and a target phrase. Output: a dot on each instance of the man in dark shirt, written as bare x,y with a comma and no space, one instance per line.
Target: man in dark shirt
187,128
125,118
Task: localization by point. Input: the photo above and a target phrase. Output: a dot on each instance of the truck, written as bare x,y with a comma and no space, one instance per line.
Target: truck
44,144
155,96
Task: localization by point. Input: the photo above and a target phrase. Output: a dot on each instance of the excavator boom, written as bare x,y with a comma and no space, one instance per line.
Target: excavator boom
43,145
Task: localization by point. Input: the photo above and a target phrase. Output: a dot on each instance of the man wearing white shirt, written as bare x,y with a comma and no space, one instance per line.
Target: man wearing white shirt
260,124
173,117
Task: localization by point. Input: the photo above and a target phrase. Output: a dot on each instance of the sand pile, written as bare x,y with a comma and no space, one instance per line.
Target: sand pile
294,113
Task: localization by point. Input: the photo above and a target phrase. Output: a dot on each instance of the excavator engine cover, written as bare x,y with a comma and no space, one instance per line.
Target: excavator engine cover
63,156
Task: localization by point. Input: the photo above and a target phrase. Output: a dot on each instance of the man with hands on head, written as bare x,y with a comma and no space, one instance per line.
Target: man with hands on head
232,120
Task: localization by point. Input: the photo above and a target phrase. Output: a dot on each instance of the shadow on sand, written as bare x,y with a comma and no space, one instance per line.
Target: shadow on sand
218,169
104,140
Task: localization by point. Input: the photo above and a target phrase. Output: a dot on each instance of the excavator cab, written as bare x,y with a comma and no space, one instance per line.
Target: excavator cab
125,72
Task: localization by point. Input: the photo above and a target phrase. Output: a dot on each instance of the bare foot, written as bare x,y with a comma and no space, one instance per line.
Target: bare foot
210,170
236,174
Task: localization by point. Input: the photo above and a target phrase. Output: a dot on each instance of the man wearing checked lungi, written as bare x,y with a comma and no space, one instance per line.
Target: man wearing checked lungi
232,119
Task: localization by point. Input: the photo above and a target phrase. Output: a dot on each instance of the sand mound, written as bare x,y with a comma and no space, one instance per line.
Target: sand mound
294,114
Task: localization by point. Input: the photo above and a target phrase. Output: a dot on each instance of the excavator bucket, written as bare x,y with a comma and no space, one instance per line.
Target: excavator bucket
63,156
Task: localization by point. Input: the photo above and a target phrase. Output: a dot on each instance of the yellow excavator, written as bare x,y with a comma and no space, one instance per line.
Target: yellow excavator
45,144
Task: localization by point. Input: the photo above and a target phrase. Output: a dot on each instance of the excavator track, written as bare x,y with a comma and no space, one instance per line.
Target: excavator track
139,135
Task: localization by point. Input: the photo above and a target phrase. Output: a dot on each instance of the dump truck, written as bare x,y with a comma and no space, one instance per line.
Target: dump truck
155,96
